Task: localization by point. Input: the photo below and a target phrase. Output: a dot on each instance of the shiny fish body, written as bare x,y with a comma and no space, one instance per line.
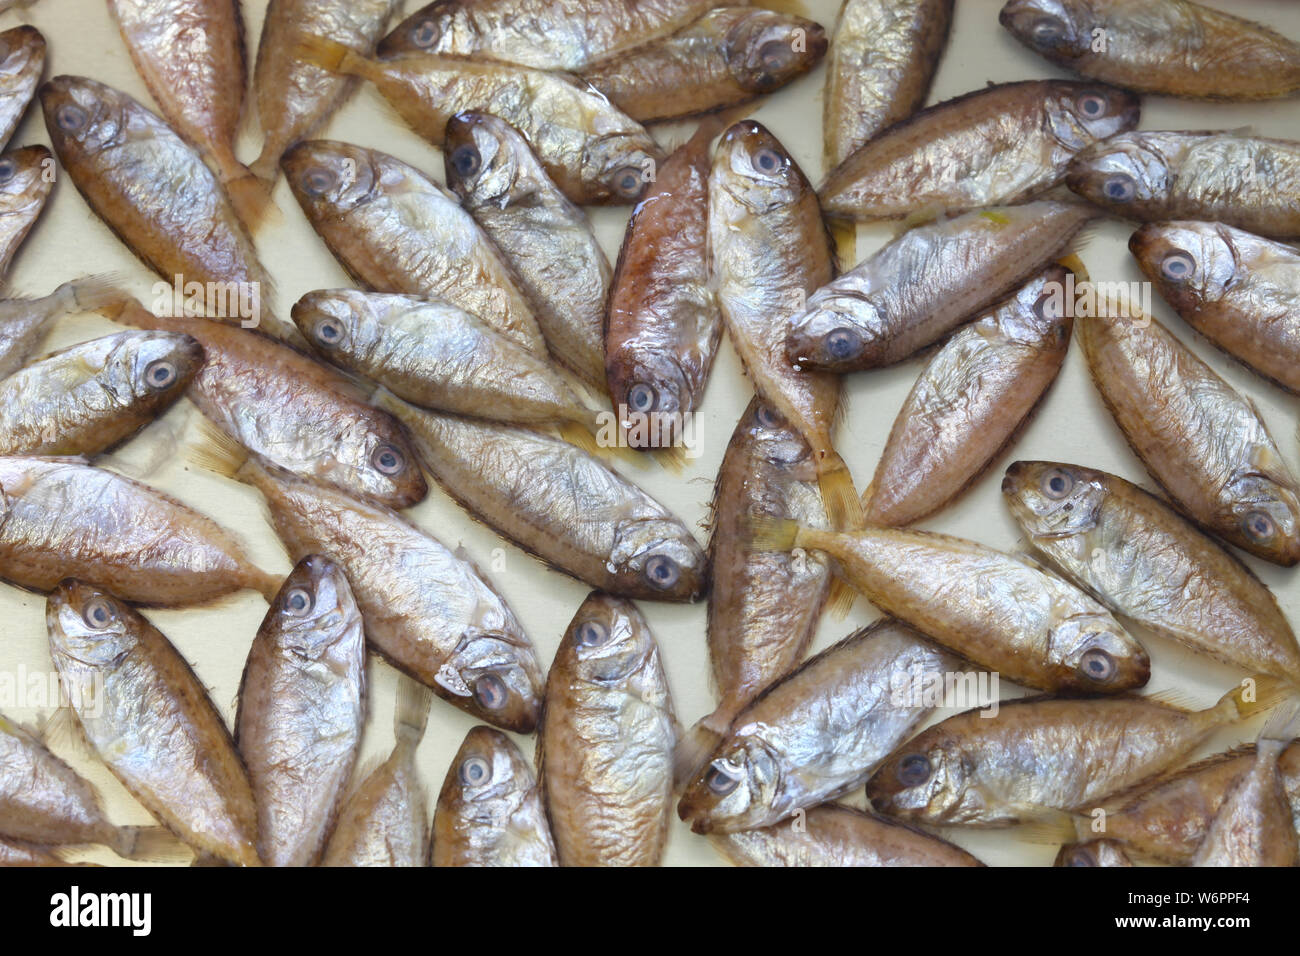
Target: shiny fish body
995,146
816,734
1042,754
996,610
489,811
546,34
968,404
22,59
63,518
561,504
1254,825
1137,555
729,56
395,230
302,705
426,609
299,414
593,152
1243,181
1093,853
883,57
546,239
1239,290
606,741
926,282
1172,47
24,322
434,355
87,398
26,178
1200,439
294,98
835,835
149,718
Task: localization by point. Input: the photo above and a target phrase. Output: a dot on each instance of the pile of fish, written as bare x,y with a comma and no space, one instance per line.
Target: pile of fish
490,345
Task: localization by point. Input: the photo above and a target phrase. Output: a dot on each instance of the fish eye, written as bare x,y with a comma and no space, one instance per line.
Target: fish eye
328,332
70,118
1098,665
466,161
592,634
1047,29
1044,307
1056,484
388,460
7,169
775,55
914,770
628,182
424,33
1119,188
490,692
843,344
475,771
97,613
769,160
1092,105
299,602
160,374
768,418
720,782
1177,266
662,572
1080,857
318,180
641,397
1259,527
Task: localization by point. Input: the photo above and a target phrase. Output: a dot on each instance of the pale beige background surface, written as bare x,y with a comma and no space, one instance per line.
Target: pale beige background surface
1071,426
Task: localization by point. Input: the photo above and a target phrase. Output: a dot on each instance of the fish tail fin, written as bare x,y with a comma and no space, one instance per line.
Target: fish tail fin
841,599
217,452
672,459
1282,727
695,747
412,712
765,533
843,506
250,194
1256,695
1049,827
844,240
267,165
331,55
96,293
586,435
1074,264
63,729
152,844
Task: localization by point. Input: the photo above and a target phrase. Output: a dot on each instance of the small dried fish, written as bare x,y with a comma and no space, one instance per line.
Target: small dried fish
997,610
396,230
834,835
1136,554
606,740
386,820
294,98
1243,181
490,812
1239,290
547,34
545,238
995,146
88,398
1093,853
729,56
1197,436
1041,757
1159,46
595,153
148,717
559,503
768,251
969,403
26,178
63,518
922,285
22,60
817,733
302,705
24,322
883,57
15,853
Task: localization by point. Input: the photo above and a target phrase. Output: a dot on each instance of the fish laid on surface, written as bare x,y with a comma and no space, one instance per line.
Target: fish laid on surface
995,146
24,322
302,706
1137,555
816,734
89,397
883,57
969,403
545,238
17,853
64,518
26,179
559,503
997,610
490,812
1244,181
22,60
148,717
605,745
926,282
1093,853
1043,756
1204,442
1173,47
1239,290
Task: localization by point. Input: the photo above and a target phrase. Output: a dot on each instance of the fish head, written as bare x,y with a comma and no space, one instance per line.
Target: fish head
155,366
329,179
484,157
314,615
89,629
775,440
493,673
1083,114
26,176
608,641
1093,853
656,559
1042,317
765,50
835,335
1051,500
22,54
929,778
1124,174
336,322
736,789
389,469
1057,29
487,772
752,166
1191,263
621,164
1092,654
85,118
1267,513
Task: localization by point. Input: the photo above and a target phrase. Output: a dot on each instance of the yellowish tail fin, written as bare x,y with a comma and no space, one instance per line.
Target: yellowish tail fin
96,293
153,844
217,452
1257,695
333,56
412,713
841,599
843,506
765,533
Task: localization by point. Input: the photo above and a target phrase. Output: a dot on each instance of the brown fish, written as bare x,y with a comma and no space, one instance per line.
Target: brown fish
24,322
26,178
1093,853
22,60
